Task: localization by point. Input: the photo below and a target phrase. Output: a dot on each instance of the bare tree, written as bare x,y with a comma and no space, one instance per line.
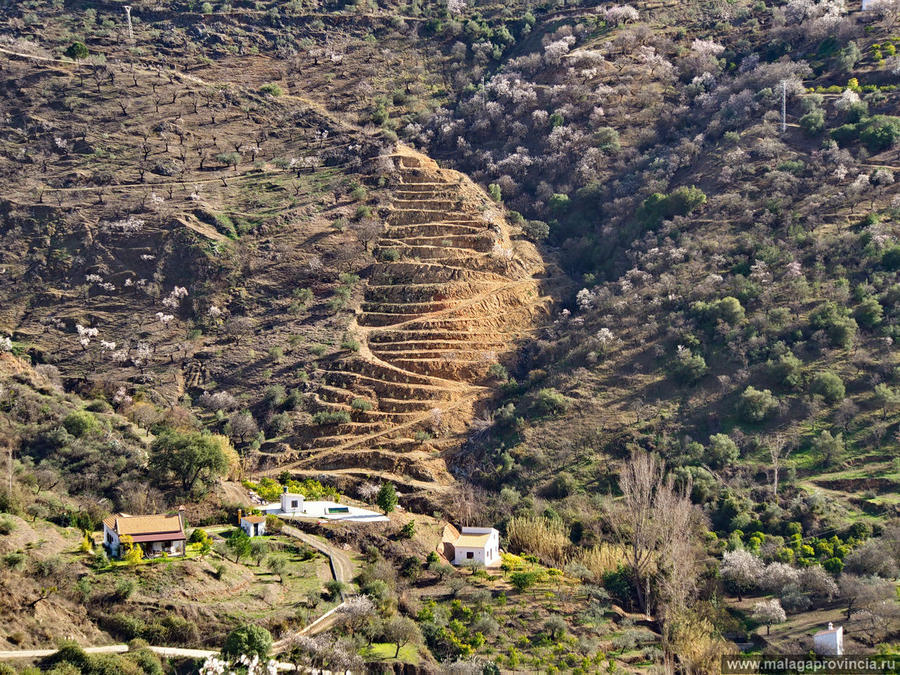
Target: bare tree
779,448
366,231
651,522
243,427
865,594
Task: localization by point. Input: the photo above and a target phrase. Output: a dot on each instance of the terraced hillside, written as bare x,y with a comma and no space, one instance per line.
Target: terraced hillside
451,294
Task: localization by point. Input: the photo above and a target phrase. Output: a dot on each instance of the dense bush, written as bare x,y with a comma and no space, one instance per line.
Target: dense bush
755,405
550,402
813,122
536,230
249,640
727,309
787,371
828,385
80,422
658,207
331,417
835,322
721,451
687,367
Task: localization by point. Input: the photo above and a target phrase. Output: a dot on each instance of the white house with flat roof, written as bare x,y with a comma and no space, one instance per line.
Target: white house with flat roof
829,642
477,544
292,502
294,505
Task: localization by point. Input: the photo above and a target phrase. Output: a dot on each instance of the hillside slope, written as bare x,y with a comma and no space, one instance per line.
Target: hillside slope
448,299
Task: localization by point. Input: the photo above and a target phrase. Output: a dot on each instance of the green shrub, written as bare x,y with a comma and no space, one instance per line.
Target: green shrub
833,320
869,312
388,255
559,203
271,90
845,134
198,536
890,259
80,422
274,396
494,191
324,417
755,405
250,639
607,140
880,133
687,367
125,588
727,309
787,371
77,51
279,424
658,207
828,385
361,404
536,230
828,447
813,122
550,402
721,451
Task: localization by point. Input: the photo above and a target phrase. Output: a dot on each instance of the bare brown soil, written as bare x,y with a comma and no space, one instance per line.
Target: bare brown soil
459,296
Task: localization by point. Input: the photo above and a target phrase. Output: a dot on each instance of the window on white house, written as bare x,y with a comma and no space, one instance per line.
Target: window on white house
470,554
294,504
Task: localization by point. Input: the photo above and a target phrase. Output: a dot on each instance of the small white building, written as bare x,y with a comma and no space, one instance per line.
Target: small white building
292,502
829,642
254,526
477,544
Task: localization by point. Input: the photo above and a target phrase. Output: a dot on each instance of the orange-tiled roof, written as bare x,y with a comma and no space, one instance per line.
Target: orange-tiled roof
122,523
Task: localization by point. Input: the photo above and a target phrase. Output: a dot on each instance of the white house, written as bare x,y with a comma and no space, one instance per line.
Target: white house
829,642
254,526
156,534
478,544
292,502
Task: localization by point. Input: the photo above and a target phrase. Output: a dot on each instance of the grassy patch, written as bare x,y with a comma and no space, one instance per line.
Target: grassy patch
384,651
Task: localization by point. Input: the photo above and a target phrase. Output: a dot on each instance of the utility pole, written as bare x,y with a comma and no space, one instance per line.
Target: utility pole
128,16
783,106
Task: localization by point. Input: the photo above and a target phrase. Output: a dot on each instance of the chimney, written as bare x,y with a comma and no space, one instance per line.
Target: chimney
830,626
181,516
239,517
284,489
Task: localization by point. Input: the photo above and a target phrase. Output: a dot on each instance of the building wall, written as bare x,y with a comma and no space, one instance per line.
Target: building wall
253,529
110,541
292,503
462,555
830,644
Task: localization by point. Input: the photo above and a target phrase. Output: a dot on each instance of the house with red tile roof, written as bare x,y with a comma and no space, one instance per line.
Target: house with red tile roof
156,534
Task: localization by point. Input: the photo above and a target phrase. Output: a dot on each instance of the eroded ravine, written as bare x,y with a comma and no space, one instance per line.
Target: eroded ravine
452,294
